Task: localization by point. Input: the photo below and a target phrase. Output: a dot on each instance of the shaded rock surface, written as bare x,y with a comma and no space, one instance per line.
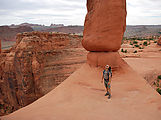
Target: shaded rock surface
105,24
101,59
159,41
35,65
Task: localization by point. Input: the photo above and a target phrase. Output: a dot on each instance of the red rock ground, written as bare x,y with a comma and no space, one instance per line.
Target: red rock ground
81,96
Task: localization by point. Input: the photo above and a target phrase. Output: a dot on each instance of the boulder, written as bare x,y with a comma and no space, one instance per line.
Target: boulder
105,24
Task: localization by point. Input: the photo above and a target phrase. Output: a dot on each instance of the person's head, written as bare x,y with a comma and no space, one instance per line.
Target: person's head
106,67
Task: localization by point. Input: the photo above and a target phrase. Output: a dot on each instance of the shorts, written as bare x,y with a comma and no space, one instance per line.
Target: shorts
106,84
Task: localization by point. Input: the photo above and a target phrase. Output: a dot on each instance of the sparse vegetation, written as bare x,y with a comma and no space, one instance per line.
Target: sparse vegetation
136,45
141,47
157,84
135,42
131,43
122,50
135,51
159,77
145,43
158,90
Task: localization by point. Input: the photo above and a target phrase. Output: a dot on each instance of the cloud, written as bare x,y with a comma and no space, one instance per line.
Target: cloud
141,12
42,11
71,11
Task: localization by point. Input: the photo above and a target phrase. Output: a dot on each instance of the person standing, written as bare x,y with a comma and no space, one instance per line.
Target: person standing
107,75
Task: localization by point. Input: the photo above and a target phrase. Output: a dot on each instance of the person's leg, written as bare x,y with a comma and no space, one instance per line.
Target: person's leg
106,86
109,90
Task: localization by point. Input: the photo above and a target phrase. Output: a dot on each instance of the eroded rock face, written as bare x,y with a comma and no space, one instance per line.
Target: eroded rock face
35,65
105,24
0,46
159,41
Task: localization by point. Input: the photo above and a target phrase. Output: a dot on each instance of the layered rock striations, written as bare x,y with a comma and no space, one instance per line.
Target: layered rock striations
35,65
105,25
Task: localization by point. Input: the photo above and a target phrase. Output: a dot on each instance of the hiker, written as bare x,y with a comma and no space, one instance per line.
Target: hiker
107,75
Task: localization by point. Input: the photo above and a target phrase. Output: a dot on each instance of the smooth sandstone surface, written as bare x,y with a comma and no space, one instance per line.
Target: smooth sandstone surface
81,97
105,24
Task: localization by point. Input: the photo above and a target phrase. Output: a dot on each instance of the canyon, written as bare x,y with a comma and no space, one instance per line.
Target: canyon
36,64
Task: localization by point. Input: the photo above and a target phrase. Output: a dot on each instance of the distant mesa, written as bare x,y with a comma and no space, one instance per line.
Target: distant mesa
8,33
57,25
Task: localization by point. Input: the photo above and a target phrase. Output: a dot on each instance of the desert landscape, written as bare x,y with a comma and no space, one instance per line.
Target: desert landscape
54,72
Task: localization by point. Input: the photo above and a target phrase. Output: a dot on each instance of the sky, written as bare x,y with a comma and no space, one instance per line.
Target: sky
72,12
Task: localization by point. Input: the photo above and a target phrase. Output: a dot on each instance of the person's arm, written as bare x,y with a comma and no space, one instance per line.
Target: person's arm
110,77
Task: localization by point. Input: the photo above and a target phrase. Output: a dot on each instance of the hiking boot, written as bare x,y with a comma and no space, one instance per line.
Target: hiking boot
107,94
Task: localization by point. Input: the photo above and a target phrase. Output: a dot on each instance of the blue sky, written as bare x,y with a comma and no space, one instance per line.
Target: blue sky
71,12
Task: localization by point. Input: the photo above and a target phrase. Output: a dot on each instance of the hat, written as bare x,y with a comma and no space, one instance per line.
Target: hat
107,66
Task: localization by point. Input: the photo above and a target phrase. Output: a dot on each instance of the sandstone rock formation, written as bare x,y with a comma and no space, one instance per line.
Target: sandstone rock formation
35,65
159,41
103,31
104,25
8,33
81,96
0,46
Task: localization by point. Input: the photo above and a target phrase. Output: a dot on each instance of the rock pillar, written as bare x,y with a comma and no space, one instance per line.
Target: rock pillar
104,28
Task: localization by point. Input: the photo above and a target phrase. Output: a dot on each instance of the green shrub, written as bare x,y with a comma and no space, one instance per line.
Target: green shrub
131,43
141,47
122,50
145,43
135,51
159,77
155,41
158,90
136,45
135,42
